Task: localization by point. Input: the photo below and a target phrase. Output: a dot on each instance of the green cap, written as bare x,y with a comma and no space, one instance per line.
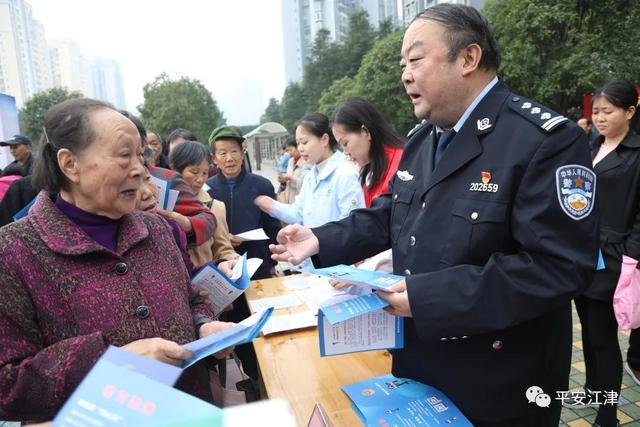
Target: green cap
226,132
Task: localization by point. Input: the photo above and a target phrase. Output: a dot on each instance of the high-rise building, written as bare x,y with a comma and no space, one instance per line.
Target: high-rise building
302,19
41,59
70,68
21,54
107,82
410,8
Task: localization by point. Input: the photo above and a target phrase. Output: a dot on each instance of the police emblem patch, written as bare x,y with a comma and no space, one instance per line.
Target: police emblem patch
576,187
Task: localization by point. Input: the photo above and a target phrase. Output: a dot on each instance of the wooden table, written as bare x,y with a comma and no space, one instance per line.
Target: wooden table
292,369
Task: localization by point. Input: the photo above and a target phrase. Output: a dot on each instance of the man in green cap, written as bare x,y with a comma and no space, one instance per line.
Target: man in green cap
237,188
231,132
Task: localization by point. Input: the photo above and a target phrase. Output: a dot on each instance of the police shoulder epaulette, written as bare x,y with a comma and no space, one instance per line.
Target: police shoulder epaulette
415,128
536,113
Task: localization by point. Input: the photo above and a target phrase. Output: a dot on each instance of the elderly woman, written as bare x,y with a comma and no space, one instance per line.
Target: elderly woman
85,270
191,160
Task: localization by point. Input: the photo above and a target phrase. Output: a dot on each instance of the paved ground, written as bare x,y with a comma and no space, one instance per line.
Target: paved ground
629,403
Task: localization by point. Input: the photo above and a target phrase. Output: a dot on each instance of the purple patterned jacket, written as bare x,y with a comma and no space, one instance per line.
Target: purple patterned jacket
64,298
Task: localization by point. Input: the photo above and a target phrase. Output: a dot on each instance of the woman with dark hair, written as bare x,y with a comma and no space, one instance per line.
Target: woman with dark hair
330,190
369,140
616,162
85,270
191,160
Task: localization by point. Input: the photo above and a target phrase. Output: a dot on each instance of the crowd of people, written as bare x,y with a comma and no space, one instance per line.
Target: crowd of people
489,210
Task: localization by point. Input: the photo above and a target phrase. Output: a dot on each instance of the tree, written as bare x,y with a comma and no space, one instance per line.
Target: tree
339,91
323,67
34,110
555,52
293,106
379,81
185,103
359,41
272,112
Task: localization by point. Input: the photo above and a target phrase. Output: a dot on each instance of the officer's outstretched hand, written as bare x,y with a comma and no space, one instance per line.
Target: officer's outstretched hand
296,243
398,298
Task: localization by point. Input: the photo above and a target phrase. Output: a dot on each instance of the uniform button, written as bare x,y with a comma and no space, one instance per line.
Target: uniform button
497,345
122,268
412,241
424,205
453,338
515,99
474,216
407,272
395,197
142,312
443,339
464,337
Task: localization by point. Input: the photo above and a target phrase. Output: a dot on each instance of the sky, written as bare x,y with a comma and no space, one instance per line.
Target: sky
233,46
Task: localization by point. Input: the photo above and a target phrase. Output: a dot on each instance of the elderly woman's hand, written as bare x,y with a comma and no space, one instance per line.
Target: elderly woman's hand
159,349
181,220
213,328
338,285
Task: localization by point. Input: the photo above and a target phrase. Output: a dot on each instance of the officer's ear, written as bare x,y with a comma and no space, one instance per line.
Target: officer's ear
470,57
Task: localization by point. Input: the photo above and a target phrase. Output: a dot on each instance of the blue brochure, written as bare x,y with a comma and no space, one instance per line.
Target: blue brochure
24,211
351,306
356,276
241,333
160,372
391,401
114,395
223,290
377,330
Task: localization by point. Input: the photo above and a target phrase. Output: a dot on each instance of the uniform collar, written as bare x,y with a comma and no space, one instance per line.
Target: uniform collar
461,121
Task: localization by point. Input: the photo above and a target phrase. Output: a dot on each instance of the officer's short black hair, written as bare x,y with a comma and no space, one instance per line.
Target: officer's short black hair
464,26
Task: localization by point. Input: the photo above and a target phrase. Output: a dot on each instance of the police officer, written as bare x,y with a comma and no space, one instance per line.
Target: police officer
491,218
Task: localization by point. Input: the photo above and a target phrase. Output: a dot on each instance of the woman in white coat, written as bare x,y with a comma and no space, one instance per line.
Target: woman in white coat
330,190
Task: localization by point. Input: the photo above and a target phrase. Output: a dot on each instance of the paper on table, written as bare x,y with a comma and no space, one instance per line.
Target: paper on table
296,282
284,301
256,234
289,322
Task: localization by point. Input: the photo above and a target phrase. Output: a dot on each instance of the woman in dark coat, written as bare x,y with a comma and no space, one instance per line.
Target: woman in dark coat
616,162
84,270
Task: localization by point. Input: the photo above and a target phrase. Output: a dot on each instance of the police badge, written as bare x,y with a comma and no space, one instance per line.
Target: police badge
576,187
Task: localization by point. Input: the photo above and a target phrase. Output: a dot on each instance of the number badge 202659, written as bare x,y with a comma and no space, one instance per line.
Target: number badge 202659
485,186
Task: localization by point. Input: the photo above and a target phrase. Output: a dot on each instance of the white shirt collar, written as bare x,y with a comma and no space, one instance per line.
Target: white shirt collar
472,106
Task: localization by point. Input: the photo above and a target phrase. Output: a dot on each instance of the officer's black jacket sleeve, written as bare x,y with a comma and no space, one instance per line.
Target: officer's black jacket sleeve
364,233
554,262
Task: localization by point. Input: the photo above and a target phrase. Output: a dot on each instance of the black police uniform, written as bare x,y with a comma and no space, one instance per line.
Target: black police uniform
493,248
